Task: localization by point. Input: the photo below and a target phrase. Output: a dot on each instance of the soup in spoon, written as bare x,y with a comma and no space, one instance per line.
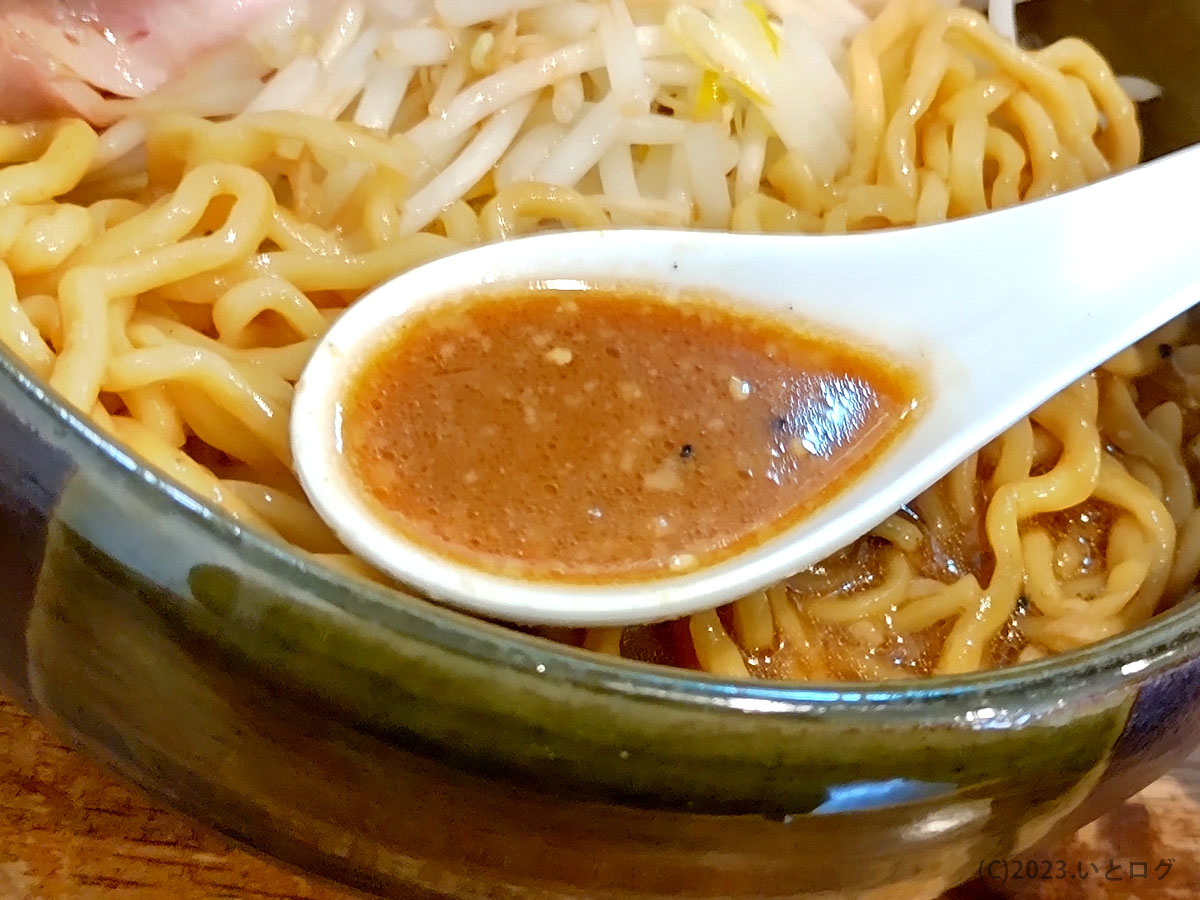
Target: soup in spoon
609,435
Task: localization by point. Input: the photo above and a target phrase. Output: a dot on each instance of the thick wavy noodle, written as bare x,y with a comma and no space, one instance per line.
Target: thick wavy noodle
169,277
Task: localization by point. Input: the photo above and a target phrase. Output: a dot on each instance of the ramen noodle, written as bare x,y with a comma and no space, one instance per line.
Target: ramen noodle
169,274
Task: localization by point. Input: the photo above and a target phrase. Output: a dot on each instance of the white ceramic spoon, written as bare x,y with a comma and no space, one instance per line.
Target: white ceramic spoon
996,312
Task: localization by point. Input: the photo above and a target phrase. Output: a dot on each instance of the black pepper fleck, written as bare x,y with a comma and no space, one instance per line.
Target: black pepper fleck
1165,351
1022,605
686,451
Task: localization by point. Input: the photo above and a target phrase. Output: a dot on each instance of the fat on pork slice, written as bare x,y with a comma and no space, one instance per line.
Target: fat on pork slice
72,57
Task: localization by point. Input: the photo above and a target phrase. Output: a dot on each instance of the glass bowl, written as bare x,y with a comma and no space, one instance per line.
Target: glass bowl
411,750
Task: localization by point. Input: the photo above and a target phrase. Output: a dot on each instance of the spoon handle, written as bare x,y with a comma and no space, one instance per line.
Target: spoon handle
1050,290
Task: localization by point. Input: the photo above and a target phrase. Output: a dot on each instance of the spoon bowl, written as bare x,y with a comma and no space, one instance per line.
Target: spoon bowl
994,314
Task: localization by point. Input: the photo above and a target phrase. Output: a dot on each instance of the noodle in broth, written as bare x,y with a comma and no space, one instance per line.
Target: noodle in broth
170,275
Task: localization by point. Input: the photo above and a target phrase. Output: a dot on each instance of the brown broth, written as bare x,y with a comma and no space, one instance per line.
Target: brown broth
604,435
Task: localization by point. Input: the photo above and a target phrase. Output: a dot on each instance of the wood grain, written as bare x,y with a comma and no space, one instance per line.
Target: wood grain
69,830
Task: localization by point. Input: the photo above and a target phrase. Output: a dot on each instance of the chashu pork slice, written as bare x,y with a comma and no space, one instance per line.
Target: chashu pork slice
74,56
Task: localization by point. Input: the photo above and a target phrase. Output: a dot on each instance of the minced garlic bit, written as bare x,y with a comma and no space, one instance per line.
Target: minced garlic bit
629,391
681,562
739,388
560,356
665,478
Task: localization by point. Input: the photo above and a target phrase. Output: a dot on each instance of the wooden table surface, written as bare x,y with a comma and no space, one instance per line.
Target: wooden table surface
69,830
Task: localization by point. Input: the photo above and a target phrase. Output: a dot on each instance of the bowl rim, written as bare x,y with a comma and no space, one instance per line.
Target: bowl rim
1161,643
